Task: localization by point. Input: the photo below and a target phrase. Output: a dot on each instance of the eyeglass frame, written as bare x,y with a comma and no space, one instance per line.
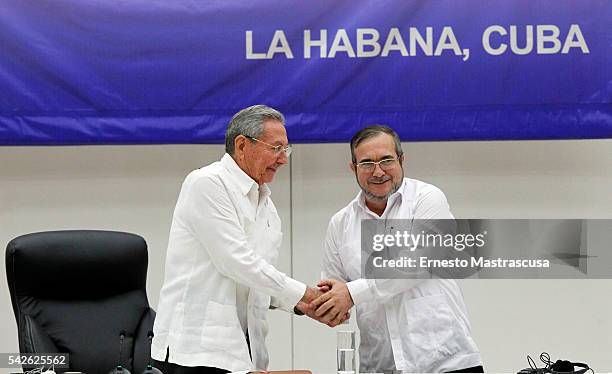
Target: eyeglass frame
276,148
379,163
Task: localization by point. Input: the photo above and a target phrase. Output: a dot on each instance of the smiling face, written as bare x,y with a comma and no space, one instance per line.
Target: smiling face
259,160
378,184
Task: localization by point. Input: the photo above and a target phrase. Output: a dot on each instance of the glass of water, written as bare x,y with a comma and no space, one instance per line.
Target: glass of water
345,351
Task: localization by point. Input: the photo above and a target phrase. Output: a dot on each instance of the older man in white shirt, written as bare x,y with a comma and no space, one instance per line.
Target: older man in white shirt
220,277
406,325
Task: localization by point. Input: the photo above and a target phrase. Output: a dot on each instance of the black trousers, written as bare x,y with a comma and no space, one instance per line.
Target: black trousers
475,369
170,368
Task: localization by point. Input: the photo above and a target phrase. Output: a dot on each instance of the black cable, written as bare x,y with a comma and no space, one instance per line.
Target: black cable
531,363
545,358
534,368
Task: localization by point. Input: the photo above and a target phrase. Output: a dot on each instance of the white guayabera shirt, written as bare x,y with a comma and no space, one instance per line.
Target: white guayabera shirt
410,325
220,274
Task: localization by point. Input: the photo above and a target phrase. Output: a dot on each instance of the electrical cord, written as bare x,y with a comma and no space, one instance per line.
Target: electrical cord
554,367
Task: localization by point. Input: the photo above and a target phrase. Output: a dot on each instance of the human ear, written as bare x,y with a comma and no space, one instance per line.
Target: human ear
239,145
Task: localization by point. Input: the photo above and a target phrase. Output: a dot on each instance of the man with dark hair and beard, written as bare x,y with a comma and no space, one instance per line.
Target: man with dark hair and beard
406,325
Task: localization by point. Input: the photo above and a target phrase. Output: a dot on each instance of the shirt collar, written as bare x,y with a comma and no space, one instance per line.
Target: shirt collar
244,182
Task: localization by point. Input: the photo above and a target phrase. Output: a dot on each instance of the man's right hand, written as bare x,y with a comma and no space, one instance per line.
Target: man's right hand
333,307
305,306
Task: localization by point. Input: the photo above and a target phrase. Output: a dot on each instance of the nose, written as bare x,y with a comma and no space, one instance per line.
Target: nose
282,158
378,171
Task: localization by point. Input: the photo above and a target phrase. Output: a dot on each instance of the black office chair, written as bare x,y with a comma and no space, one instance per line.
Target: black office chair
76,292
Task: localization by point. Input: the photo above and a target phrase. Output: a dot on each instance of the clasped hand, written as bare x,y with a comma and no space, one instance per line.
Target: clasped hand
329,304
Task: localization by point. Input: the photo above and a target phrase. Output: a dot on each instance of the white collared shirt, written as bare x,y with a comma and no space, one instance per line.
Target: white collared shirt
219,273
410,325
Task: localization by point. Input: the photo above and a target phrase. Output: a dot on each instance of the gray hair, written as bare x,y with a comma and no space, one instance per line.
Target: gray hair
249,122
372,131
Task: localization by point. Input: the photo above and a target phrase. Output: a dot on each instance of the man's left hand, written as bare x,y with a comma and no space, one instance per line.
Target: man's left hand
332,307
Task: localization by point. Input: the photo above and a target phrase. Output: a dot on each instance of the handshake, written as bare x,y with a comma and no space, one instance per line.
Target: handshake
328,304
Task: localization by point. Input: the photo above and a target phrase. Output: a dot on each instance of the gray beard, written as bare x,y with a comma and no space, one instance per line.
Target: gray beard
379,199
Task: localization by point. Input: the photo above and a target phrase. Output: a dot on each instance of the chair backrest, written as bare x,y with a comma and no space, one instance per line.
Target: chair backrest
76,292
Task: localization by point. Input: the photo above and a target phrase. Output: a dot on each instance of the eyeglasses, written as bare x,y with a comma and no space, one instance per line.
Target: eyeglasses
385,164
276,148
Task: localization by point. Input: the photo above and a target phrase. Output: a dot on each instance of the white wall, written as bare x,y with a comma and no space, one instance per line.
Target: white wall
130,189
134,188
